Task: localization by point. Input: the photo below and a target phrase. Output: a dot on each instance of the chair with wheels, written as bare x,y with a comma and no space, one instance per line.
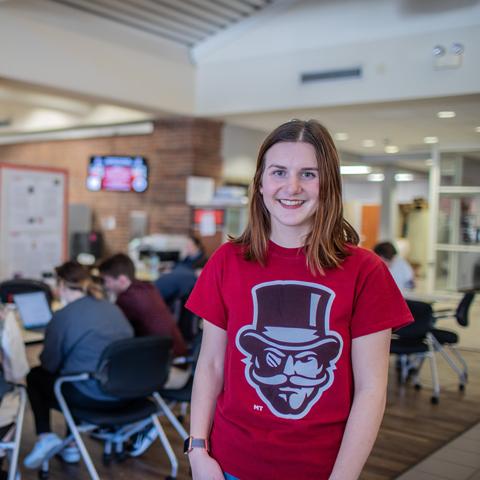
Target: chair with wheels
133,370
10,434
447,338
413,343
8,288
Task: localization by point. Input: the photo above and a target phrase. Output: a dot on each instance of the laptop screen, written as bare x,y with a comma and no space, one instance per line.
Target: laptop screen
33,309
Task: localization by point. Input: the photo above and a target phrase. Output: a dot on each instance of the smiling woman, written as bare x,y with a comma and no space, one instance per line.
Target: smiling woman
294,358
290,191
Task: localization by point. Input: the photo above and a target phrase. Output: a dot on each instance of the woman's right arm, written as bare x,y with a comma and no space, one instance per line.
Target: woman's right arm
207,385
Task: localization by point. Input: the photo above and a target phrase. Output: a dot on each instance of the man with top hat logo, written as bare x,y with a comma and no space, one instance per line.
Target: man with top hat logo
290,352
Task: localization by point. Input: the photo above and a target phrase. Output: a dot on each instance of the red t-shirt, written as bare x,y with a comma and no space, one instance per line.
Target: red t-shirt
288,384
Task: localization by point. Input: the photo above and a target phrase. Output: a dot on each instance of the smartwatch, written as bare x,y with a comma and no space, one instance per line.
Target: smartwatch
191,443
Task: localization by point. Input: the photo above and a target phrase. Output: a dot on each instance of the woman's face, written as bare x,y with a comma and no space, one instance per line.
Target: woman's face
290,187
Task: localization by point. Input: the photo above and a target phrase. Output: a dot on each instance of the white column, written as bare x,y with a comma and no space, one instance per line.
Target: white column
388,216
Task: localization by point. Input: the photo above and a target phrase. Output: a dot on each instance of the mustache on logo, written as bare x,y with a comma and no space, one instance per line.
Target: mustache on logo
296,380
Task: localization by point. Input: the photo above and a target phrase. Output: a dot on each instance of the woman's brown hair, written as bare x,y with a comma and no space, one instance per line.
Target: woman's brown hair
325,245
76,277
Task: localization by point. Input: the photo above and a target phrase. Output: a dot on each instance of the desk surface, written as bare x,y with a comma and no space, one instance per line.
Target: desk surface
430,297
32,337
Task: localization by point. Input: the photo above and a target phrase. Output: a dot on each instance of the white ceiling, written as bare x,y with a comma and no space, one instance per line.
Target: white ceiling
25,108
186,22
404,124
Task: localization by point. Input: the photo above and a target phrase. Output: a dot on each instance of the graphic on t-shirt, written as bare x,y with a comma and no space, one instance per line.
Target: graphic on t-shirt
290,351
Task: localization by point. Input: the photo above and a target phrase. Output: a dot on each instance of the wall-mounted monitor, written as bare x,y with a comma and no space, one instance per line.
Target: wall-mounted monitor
117,173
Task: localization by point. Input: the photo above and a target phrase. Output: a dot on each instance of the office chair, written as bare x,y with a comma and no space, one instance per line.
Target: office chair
10,435
188,323
8,288
413,343
133,370
447,338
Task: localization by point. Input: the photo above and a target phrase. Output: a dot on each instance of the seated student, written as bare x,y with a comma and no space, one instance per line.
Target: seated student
74,341
140,301
149,315
176,284
195,254
181,280
399,268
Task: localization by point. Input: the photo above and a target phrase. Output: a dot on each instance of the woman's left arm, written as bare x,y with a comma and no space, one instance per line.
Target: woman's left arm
370,359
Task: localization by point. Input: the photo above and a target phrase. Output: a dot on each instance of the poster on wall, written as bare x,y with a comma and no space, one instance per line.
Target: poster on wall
32,220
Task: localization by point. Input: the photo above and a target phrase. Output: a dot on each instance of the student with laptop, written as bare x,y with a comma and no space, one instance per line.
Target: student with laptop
74,340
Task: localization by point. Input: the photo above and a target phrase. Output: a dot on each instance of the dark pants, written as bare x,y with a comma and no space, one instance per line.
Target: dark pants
42,398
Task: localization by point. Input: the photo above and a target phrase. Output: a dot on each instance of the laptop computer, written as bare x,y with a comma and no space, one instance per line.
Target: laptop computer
33,309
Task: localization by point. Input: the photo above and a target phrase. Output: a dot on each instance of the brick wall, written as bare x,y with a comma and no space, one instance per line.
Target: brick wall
176,149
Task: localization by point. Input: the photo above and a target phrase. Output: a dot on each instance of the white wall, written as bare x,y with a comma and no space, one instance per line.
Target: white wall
393,45
370,192
328,23
239,151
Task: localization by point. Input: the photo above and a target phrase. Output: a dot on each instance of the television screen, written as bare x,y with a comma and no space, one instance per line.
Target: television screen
117,173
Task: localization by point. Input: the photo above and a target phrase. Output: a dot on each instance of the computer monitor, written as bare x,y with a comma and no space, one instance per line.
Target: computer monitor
33,309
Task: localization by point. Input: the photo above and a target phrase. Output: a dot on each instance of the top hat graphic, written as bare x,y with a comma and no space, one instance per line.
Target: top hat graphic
289,315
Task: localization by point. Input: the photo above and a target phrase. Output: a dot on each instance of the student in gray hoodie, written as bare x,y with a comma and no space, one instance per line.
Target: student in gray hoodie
74,340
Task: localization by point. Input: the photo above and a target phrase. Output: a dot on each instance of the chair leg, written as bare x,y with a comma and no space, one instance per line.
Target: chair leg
76,435
171,417
433,368
13,466
463,376
461,373
418,368
166,445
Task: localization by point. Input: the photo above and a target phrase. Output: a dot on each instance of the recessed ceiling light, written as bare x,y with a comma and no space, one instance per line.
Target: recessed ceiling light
391,149
430,139
376,177
368,143
355,169
477,129
446,114
403,177
341,136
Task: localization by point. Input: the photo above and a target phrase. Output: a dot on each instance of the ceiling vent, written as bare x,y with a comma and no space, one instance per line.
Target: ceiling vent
338,74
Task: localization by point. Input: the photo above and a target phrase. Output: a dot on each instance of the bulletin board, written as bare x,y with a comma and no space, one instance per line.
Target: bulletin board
33,223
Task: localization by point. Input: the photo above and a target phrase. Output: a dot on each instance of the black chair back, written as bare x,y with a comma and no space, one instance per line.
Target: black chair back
134,367
188,322
423,321
463,308
8,288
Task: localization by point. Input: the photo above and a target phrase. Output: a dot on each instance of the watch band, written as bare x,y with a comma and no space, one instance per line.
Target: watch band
191,443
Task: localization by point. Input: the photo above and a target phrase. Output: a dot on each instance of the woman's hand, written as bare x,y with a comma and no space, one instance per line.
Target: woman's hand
204,467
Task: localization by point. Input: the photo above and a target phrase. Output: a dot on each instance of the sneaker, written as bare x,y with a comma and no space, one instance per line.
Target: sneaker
70,454
101,433
46,446
142,440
